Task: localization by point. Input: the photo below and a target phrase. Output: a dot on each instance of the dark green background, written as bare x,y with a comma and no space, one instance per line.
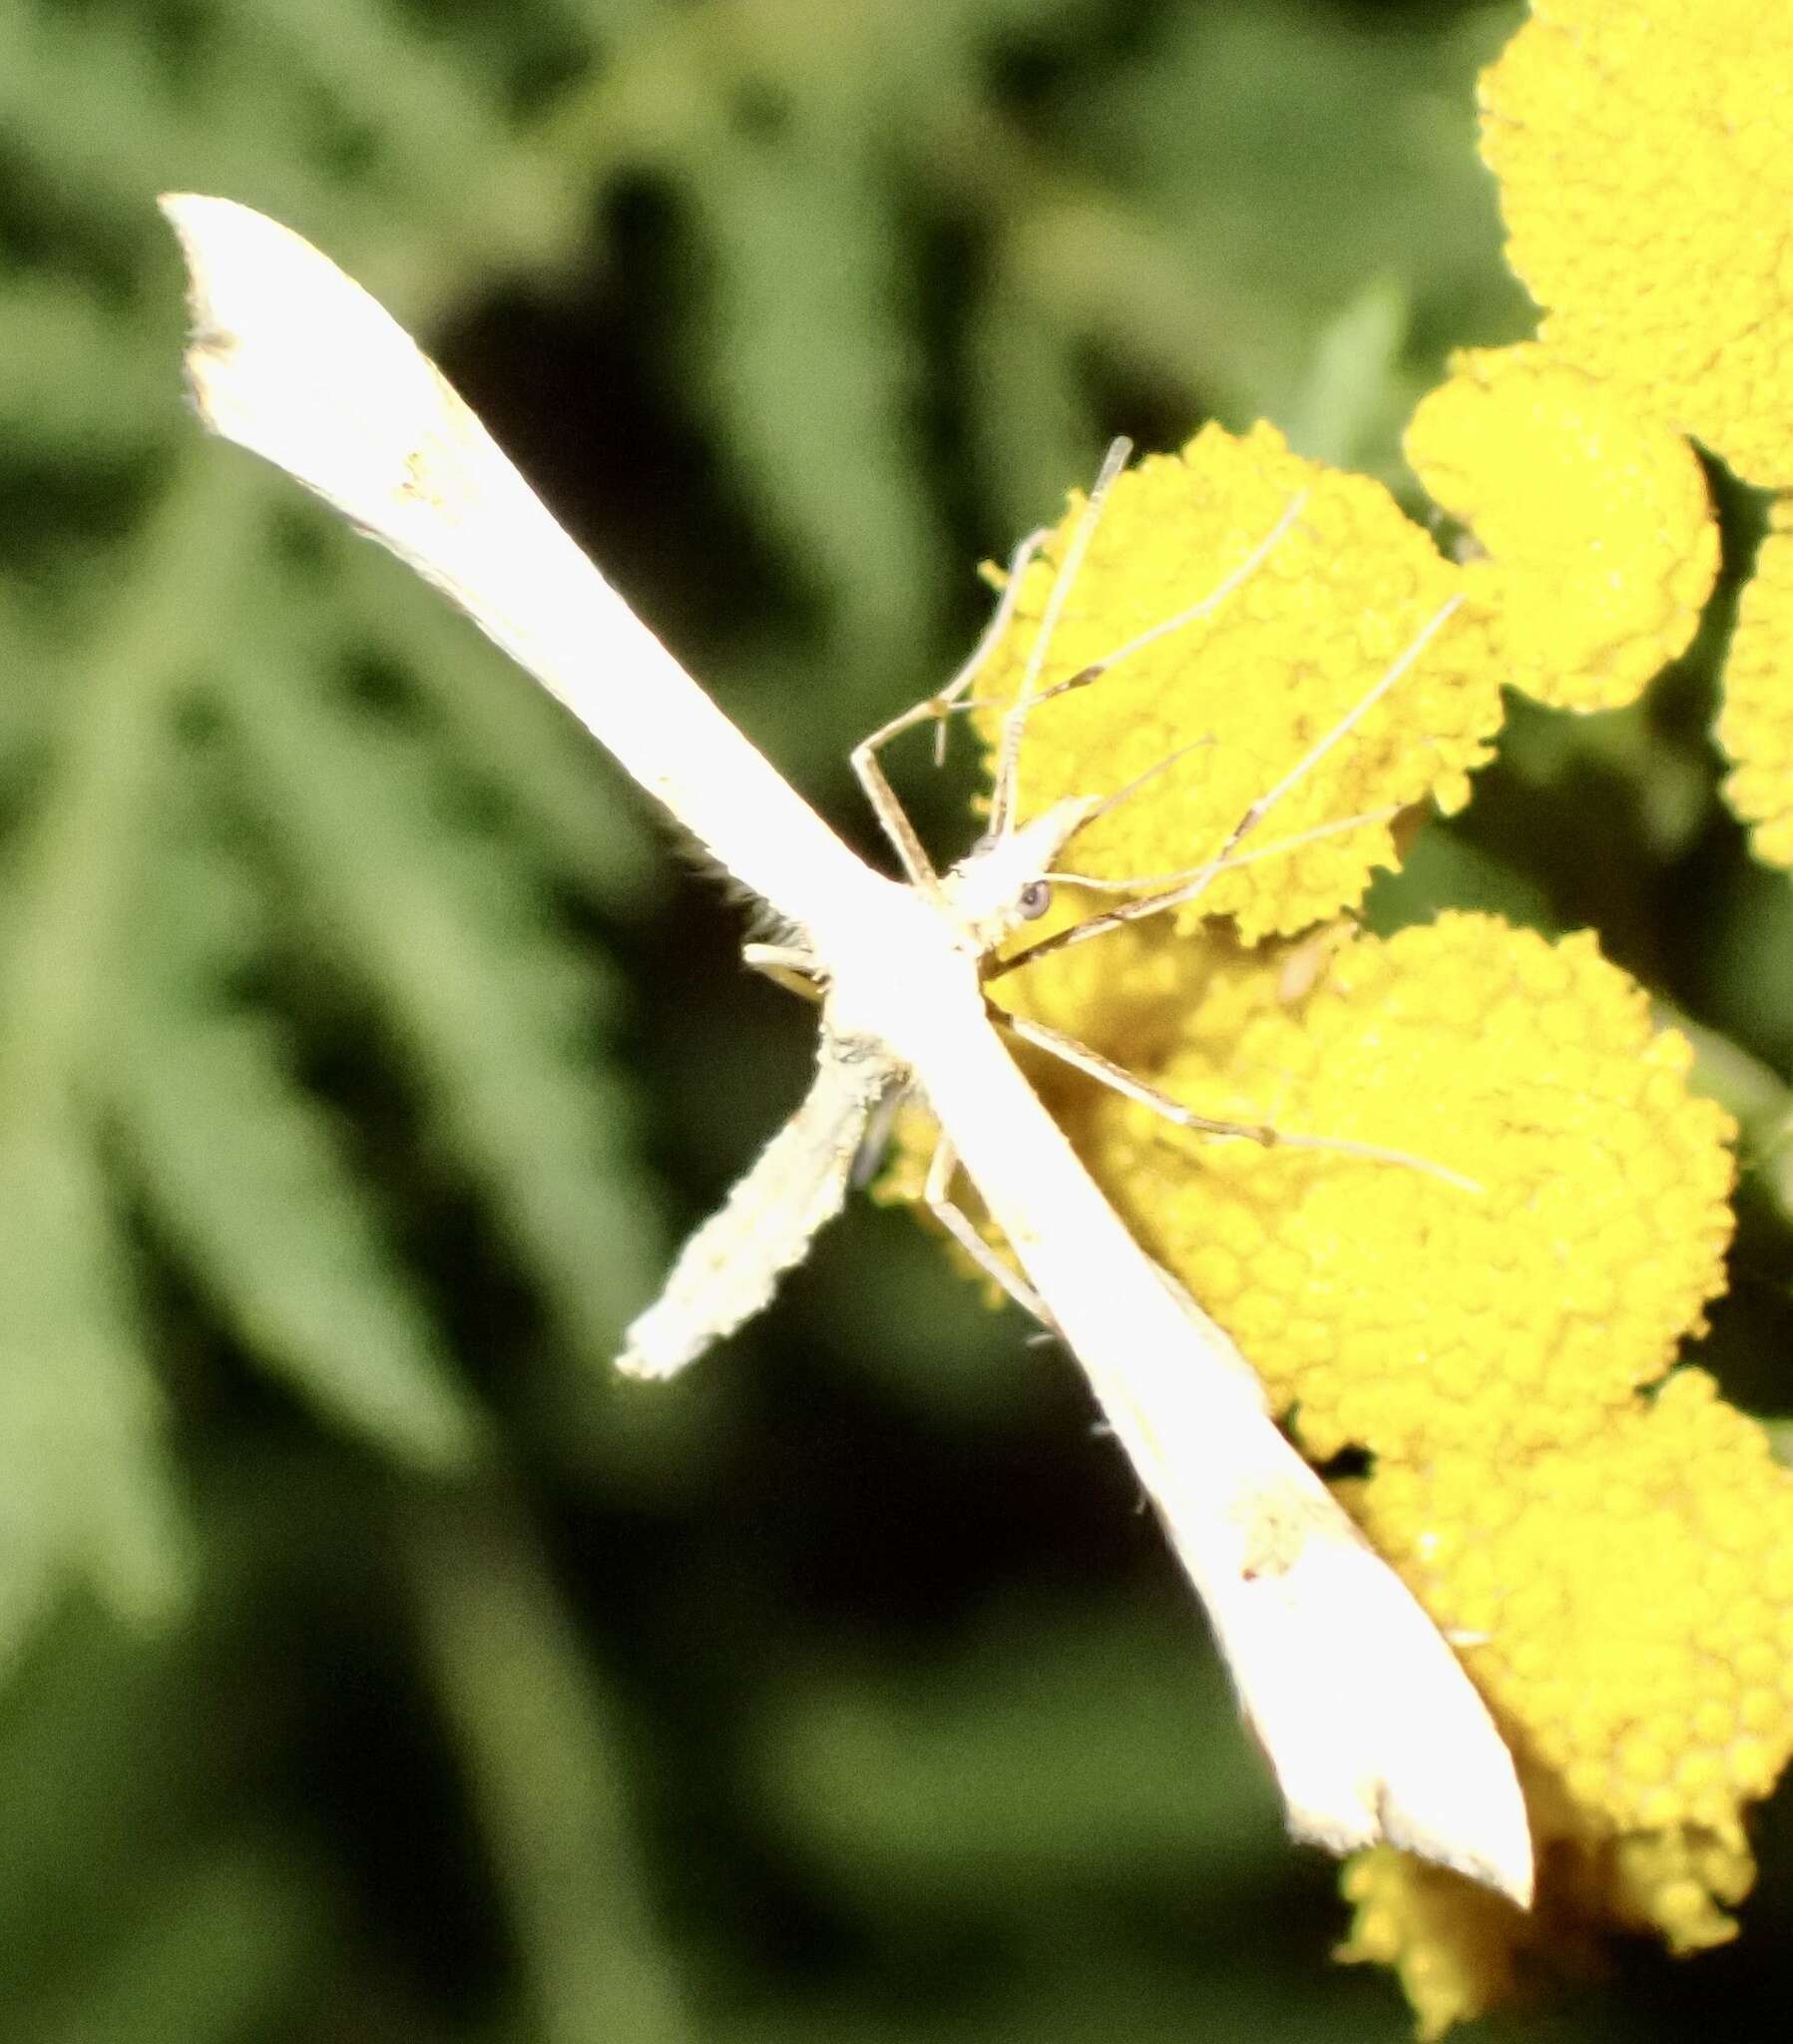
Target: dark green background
374,1669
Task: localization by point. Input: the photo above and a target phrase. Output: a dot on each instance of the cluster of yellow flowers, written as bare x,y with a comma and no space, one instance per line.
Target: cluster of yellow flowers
1611,1542
1646,182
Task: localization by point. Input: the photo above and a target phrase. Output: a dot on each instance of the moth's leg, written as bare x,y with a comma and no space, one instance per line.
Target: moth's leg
1201,877
1030,695
731,1267
1280,848
1080,1057
955,694
937,1193
891,816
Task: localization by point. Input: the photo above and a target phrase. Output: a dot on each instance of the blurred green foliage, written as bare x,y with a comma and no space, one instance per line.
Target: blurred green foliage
375,1669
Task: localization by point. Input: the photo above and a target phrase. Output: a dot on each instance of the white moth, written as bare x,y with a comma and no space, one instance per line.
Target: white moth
1369,1722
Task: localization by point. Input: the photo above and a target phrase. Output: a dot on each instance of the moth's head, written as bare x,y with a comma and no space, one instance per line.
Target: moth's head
1000,882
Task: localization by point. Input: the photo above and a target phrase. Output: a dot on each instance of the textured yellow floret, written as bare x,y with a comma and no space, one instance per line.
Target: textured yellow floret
1647,189
1629,1597
1616,1565
1453,1945
1275,667
1394,1311
1461,1952
1632,1592
1756,727
1599,531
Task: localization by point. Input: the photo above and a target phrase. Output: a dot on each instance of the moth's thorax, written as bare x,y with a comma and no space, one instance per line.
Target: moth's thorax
995,888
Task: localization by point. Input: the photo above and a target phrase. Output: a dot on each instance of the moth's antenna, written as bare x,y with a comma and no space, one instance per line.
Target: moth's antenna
1203,876
1005,787
953,696
1128,789
1195,611
893,818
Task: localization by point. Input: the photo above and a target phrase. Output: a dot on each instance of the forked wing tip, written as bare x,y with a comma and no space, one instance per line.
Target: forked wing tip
1501,1858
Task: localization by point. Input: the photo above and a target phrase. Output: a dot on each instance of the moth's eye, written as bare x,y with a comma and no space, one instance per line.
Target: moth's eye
1033,900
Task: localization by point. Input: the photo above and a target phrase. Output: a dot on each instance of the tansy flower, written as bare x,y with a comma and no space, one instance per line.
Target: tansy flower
1389,1310
1599,545
1603,1538
1577,604
1341,594
1642,1665
1646,166
1646,185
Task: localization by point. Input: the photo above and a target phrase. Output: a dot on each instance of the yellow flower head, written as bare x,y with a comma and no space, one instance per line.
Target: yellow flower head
1484,1317
1632,1598
1601,542
1646,185
1391,1310
1250,685
1645,1658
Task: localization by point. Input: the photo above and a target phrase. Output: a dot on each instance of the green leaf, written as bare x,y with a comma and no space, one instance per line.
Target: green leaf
85,1491
454,947
545,1764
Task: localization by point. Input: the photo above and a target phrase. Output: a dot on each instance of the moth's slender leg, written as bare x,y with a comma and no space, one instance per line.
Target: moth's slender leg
869,1160
937,1194
1029,697
1203,876
1352,718
1278,847
1080,1057
892,818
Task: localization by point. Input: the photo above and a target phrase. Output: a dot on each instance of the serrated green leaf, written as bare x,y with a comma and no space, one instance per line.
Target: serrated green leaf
240,1168
243,1176
441,926
1358,145
798,241
86,1493
546,1759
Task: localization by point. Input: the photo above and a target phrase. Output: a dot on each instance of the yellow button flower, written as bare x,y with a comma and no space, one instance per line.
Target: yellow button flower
1601,541
1647,189
1482,1318
1627,1599
1389,1309
1341,597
